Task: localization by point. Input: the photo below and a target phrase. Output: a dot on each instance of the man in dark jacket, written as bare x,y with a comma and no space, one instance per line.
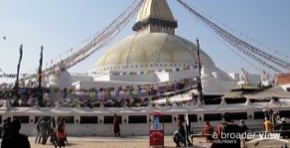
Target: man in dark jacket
6,127
116,126
227,134
43,131
15,139
179,134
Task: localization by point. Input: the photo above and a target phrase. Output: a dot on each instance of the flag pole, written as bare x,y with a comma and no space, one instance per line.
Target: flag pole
40,97
16,87
199,85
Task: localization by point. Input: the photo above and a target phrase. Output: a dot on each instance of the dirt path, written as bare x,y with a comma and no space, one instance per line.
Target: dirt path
135,142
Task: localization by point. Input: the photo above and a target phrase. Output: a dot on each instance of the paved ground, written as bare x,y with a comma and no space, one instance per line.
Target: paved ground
139,142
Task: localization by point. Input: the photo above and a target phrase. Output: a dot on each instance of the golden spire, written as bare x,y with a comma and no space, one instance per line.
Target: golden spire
155,16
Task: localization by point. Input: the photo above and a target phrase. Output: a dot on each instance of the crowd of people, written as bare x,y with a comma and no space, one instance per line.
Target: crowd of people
230,134
227,126
214,135
47,128
273,121
134,96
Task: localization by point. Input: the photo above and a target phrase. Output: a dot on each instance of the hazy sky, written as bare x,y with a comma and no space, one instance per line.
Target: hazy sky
60,25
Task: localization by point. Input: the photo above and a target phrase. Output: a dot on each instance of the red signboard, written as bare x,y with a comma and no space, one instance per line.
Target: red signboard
156,137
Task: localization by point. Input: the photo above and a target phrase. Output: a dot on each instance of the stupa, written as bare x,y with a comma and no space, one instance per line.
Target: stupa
155,54
153,49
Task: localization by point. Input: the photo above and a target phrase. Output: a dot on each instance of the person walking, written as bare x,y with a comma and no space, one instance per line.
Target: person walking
44,130
15,139
116,126
37,137
52,127
60,133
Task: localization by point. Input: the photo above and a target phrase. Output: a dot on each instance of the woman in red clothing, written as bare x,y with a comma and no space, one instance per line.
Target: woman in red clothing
60,133
208,129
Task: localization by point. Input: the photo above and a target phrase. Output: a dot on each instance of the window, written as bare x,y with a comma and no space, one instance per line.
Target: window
88,119
68,119
192,118
23,119
181,116
137,119
238,116
284,113
110,119
212,99
165,119
235,101
36,118
258,115
212,117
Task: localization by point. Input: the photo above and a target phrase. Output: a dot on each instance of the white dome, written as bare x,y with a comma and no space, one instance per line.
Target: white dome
152,48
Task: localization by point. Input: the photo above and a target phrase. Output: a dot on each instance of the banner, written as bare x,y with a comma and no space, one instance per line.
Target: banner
146,72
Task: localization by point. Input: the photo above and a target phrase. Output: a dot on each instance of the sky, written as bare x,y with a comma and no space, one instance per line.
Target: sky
61,25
